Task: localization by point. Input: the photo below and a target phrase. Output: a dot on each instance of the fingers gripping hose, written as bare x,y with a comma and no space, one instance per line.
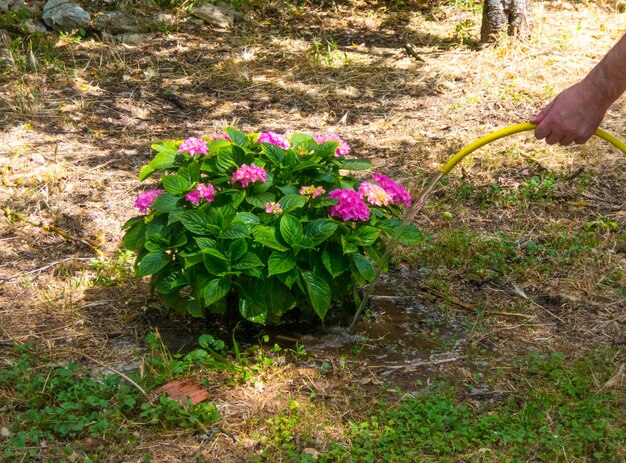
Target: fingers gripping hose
512,129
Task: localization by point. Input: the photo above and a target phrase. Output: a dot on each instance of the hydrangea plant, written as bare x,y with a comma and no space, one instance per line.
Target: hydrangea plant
263,223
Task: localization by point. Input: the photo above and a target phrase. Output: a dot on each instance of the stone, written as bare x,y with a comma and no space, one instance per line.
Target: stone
6,58
214,15
132,38
117,22
34,26
64,16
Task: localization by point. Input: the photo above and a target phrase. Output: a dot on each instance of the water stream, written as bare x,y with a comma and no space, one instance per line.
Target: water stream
417,203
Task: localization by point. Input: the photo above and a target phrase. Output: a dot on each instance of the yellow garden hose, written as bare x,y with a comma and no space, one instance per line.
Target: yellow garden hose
510,130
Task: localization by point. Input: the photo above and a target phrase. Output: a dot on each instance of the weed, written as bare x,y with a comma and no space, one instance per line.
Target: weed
110,271
560,415
50,403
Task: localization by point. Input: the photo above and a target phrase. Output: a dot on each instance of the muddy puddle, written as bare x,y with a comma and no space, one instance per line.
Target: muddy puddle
401,337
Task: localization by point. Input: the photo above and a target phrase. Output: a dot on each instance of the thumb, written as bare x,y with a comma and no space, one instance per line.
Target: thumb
542,114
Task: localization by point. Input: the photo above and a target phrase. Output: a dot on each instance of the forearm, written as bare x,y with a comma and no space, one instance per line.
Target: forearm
608,77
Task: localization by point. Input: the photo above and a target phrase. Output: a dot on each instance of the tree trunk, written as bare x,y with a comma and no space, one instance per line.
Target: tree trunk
514,14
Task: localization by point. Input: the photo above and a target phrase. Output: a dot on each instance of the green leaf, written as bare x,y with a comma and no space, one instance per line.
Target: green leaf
165,202
225,162
300,138
320,230
235,231
236,137
261,199
268,236
135,237
250,260
214,264
318,291
280,262
274,153
304,165
215,253
168,146
356,164
334,261
204,242
291,230
347,245
197,222
152,263
190,172
254,300
411,235
217,146
248,219
281,299
289,278
363,266
145,172
237,249
215,290
165,160
175,184
170,282
292,201
327,149
365,236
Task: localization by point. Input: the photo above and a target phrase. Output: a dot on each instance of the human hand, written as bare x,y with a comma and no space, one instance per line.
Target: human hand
572,117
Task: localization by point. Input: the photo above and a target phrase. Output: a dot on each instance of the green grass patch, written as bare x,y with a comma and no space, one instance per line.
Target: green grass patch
558,411
61,405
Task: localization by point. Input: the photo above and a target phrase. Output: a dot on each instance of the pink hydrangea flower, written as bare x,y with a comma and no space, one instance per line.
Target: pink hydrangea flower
343,148
311,191
248,174
221,137
350,206
206,192
375,194
273,208
275,139
193,146
144,200
397,192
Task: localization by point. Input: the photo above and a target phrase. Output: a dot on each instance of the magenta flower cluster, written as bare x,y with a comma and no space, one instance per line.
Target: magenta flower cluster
350,206
275,139
397,192
144,200
343,148
193,146
206,192
248,174
375,194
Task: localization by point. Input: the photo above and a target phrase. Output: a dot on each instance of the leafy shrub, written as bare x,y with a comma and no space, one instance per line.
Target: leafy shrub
264,223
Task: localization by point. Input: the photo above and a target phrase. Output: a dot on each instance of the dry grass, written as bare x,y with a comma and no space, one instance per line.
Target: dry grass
76,133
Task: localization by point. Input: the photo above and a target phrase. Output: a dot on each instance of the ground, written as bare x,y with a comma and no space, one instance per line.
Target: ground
524,249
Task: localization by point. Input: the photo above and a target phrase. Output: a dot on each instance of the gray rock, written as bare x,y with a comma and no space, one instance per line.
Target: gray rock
6,58
214,15
63,16
118,22
132,38
34,26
